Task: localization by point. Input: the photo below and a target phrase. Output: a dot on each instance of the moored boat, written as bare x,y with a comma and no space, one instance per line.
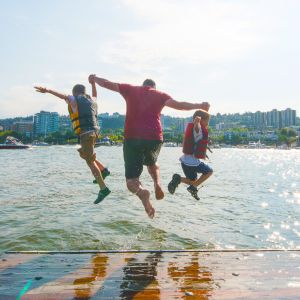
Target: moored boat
40,144
13,143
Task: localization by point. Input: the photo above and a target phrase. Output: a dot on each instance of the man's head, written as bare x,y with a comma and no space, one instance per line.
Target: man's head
78,89
203,115
149,82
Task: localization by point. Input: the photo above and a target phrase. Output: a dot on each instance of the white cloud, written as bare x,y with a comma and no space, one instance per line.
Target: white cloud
172,32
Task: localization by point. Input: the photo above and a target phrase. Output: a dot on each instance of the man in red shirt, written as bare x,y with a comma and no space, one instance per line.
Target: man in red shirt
143,136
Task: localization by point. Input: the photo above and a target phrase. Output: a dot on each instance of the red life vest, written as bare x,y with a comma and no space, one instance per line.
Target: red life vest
198,149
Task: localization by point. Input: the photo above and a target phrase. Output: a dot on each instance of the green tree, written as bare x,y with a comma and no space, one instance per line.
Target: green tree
287,136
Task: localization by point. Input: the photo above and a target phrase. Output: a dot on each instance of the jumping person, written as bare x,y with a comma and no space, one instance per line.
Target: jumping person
194,151
83,112
143,133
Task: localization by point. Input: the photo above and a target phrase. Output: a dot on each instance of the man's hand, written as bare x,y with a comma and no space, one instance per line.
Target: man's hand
44,90
205,106
92,81
92,78
197,119
41,89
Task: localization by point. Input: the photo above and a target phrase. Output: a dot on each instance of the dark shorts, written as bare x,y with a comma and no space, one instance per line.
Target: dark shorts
138,153
191,172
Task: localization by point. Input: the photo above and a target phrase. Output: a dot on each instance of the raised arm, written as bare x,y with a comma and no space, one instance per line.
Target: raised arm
44,90
113,86
93,84
179,105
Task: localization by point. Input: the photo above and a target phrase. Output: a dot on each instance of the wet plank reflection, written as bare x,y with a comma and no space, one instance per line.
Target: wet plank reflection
152,275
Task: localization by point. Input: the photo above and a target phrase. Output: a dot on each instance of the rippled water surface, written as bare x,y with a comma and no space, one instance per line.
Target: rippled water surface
46,200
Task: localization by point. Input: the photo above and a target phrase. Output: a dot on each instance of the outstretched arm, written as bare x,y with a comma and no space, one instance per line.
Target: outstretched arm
179,105
113,86
44,90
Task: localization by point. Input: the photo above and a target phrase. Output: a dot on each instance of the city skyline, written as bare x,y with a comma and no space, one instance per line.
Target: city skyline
274,118
117,112
45,123
239,56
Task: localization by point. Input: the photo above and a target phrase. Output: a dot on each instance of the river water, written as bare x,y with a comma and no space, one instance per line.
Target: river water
46,202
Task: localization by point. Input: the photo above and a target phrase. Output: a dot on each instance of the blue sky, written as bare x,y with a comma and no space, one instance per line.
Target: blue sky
238,55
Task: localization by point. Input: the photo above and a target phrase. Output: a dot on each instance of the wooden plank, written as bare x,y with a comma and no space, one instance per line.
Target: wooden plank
12,260
152,275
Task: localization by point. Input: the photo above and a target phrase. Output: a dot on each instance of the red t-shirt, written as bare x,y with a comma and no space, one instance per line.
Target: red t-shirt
143,107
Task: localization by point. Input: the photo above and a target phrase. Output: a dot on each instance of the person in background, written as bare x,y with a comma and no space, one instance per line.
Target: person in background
143,135
194,151
83,112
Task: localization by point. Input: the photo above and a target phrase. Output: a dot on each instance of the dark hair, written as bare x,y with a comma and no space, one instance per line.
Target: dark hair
201,114
149,82
78,89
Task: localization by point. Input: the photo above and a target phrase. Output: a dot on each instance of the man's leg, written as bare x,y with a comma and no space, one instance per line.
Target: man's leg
133,151
205,172
135,186
104,171
155,174
201,179
152,150
99,165
87,153
97,173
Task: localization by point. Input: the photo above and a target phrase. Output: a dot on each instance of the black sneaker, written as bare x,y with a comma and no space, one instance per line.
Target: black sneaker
104,174
193,191
176,179
102,194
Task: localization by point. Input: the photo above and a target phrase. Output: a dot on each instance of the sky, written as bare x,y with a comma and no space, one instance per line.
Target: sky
240,56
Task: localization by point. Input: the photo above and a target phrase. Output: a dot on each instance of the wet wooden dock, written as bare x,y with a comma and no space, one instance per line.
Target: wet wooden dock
151,275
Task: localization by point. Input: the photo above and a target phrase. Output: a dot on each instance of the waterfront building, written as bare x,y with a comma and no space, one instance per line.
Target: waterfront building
181,125
260,119
274,118
288,117
45,123
24,128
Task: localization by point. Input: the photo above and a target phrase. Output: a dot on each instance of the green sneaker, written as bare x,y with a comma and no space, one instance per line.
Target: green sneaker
104,174
102,194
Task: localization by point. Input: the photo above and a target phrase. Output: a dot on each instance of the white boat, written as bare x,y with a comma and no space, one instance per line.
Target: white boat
170,144
38,143
13,143
255,145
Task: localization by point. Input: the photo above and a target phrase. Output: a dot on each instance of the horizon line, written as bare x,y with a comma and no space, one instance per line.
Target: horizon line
247,112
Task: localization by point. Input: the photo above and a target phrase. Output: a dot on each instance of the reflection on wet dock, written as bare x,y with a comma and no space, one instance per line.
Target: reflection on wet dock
153,275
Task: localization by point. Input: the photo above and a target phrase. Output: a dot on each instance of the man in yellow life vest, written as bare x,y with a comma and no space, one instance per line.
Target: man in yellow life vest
83,113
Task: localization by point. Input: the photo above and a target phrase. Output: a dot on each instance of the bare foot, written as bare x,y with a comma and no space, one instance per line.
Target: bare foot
159,193
144,195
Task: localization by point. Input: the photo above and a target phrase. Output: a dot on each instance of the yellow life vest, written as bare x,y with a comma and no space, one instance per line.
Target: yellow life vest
84,118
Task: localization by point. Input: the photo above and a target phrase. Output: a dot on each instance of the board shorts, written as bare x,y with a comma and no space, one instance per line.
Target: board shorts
138,152
191,172
87,143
